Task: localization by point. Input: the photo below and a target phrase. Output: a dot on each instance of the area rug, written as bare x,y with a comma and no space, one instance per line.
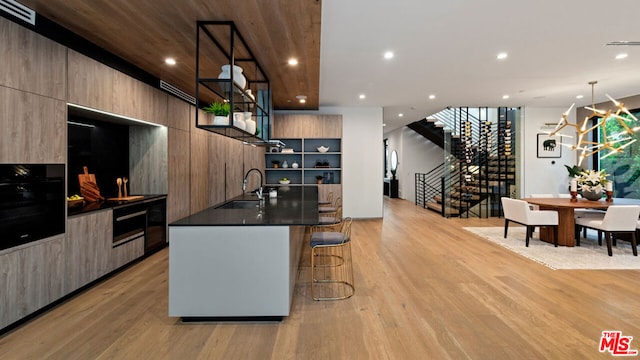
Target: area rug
588,256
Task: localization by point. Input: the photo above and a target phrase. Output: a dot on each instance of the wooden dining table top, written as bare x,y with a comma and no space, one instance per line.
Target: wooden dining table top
581,203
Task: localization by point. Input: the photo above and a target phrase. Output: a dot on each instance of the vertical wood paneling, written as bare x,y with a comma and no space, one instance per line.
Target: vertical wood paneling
33,128
88,248
90,82
178,199
235,167
254,158
30,278
148,159
199,168
138,100
217,162
178,114
31,62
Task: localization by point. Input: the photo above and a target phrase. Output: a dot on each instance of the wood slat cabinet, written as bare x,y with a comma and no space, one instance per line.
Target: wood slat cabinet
306,126
31,277
88,248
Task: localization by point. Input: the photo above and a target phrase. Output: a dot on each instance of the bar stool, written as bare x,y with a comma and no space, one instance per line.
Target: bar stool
330,218
331,208
331,263
328,201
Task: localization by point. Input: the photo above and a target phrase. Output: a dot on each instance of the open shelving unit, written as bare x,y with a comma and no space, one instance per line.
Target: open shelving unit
311,162
219,43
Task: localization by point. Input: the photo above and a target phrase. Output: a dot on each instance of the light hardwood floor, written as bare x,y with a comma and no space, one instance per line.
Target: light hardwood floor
425,289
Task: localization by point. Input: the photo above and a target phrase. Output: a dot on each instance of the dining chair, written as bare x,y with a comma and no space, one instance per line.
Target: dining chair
618,220
536,207
331,262
518,211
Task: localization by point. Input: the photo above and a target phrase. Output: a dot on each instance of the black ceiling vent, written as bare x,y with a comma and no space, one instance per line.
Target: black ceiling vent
18,10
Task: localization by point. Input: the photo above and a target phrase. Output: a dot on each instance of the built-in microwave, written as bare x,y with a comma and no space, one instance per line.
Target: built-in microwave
32,202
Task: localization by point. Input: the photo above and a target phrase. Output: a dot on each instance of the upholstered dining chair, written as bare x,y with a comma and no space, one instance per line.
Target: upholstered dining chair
619,219
331,262
518,211
536,207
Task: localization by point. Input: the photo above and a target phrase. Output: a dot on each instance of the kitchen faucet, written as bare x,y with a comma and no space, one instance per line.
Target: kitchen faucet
244,182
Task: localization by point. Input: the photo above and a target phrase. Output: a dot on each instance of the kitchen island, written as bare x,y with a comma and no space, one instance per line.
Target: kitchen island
240,259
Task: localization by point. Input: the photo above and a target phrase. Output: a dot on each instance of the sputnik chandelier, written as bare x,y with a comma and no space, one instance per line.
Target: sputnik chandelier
614,143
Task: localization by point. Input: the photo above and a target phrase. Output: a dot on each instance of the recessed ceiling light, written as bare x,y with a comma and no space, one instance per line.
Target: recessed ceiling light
388,55
362,96
621,56
431,97
579,96
302,98
293,62
383,124
170,61
302,101
505,96
502,56
400,115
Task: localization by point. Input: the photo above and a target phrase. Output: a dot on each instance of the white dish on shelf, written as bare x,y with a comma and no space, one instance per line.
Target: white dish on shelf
323,149
285,182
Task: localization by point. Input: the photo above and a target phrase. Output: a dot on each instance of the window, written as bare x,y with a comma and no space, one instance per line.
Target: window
623,168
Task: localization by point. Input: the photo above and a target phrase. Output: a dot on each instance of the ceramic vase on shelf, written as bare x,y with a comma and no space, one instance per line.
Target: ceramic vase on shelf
592,195
250,123
238,121
238,78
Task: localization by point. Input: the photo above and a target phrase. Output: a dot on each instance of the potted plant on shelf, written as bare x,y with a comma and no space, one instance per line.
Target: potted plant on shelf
275,163
319,179
220,111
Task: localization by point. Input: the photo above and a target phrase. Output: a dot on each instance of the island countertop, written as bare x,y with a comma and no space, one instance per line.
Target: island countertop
294,205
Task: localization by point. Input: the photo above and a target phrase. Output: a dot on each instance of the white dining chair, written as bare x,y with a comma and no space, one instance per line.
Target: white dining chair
518,211
619,219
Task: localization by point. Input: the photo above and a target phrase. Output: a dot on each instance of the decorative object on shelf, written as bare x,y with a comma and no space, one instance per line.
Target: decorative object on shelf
220,110
287,151
276,163
238,77
285,164
285,181
591,183
615,143
249,122
295,165
319,179
238,121
323,149
322,164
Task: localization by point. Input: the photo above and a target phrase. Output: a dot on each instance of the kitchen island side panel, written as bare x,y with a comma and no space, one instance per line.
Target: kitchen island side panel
232,271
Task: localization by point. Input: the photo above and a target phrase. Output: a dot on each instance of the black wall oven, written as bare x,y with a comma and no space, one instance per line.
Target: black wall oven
32,202
146,219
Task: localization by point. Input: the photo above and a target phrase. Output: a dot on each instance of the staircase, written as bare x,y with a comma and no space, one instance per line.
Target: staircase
479,165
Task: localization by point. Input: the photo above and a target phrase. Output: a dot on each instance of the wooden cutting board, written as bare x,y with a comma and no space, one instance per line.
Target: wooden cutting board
88,187
126,198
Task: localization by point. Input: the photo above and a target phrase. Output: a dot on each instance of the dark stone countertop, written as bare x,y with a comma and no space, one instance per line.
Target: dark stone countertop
87,207
294,205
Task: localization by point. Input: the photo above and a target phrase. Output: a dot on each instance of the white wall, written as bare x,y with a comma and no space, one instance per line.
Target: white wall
416,154
362,159
543,175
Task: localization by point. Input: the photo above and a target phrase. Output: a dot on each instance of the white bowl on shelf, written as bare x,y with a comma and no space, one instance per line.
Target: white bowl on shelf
285,182
323,149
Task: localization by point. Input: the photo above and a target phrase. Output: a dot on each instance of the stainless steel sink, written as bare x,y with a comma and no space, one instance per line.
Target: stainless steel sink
240,204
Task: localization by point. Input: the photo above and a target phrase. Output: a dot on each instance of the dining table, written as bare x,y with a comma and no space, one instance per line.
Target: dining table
566,217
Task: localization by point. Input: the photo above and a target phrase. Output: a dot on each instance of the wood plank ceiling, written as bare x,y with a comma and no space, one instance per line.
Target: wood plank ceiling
145,32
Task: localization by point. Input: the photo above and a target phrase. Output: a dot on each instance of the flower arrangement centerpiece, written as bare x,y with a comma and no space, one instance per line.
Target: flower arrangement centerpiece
592,183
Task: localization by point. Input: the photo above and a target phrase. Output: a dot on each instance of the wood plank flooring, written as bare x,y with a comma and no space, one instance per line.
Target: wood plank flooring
425,289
